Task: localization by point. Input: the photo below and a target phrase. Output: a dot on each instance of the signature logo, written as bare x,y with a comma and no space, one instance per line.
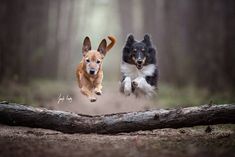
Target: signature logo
62,98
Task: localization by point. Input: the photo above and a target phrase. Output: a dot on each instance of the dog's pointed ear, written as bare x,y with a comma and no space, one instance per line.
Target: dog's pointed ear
102,47
130,40
147,40
86,46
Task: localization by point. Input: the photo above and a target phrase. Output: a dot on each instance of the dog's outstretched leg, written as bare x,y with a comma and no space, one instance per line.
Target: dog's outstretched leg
98,89
142,84
127,86
88,93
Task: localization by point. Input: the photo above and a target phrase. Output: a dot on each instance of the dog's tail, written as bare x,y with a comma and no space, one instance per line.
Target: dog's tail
113,41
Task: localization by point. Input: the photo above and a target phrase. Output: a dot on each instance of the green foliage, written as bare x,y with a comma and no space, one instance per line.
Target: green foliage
35,93
41,92
172,96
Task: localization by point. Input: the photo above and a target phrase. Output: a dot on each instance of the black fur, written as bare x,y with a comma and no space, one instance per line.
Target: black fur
132,44
149,54
153,80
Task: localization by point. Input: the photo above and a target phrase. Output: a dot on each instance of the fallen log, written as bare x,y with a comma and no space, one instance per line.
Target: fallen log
67,122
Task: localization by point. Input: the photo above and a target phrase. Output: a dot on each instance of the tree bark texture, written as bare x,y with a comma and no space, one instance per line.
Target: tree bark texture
67,122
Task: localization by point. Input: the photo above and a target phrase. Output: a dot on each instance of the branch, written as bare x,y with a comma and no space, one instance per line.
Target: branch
67,122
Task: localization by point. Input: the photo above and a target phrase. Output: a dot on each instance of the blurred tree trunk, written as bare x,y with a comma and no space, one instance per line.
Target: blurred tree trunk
229,56
24,43
211,44
3,38
12,65
126,17
36,38
167,22
51,43
65,36
35,34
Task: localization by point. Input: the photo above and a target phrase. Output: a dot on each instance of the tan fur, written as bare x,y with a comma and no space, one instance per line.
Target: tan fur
90,84
113,41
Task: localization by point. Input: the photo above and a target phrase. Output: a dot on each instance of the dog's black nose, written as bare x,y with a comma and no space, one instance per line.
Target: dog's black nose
92,72
139,61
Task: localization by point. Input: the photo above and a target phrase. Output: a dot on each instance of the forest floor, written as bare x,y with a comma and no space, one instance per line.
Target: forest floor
184,142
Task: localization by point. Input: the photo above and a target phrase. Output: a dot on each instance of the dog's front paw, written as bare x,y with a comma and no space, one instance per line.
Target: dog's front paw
134,84
98,92
92,99
127,86
127,90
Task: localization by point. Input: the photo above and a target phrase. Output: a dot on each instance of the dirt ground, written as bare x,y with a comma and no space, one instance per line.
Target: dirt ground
195,142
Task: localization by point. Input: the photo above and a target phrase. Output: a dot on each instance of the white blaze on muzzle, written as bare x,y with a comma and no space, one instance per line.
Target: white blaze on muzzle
92,69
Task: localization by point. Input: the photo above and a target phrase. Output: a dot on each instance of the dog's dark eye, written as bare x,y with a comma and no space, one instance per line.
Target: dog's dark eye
98,62
87,60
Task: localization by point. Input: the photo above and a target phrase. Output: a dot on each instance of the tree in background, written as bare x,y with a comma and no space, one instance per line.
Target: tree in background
195,39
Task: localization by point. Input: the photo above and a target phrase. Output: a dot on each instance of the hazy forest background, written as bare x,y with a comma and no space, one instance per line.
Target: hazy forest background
40,46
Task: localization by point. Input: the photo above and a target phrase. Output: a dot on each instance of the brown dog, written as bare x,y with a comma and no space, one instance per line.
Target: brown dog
89,71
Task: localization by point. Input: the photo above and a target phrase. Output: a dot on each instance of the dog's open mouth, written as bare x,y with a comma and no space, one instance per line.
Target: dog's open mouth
139,66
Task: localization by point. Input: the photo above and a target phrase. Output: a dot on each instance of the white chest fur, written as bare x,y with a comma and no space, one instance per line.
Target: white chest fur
131,70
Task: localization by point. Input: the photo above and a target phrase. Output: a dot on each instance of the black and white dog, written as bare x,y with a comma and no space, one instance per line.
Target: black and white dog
139,67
